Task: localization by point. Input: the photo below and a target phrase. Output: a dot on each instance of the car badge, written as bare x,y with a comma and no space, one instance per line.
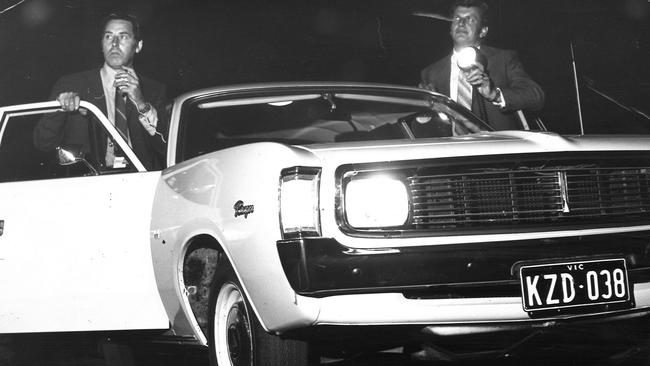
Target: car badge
242,209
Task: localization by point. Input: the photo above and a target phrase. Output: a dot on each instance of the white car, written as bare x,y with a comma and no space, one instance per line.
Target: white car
302,219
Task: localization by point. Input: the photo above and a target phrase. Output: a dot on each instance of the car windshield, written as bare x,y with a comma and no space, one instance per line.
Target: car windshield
318,116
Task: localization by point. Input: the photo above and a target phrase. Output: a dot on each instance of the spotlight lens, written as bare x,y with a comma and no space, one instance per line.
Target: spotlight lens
466,58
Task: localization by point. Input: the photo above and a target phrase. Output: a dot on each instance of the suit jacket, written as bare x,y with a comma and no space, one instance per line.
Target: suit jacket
507,73
73,128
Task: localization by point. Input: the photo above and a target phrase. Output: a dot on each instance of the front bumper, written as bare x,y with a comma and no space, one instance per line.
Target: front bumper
452,288
469,313
320,267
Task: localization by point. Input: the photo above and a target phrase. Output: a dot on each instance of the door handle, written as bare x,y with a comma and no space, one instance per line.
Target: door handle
2,227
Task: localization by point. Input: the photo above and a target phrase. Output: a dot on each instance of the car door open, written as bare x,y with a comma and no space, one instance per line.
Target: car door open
75,250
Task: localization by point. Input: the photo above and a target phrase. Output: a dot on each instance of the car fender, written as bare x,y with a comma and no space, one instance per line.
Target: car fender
200,196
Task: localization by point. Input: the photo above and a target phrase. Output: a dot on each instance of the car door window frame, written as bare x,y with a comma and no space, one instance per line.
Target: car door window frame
53,106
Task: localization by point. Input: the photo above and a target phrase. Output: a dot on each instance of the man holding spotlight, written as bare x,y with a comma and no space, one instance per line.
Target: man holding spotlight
489,81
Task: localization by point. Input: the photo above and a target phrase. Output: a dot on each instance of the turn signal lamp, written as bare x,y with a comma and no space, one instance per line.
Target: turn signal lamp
299,202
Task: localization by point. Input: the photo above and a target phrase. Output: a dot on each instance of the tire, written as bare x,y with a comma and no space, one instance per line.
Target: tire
236,337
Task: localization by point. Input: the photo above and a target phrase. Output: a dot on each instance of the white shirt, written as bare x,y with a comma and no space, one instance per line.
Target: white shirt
453,78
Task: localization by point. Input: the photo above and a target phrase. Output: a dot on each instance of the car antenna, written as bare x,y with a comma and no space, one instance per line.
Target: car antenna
575,79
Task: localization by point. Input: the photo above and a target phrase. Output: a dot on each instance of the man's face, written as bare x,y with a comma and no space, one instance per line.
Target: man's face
467,27
118,43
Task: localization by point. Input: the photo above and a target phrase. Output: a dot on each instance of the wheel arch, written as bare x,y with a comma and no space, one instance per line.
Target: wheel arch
199,262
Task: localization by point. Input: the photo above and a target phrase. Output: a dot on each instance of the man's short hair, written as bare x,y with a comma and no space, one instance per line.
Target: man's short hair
481,5
120,15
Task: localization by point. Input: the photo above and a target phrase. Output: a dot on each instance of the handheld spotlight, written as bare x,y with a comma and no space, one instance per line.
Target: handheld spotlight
468,57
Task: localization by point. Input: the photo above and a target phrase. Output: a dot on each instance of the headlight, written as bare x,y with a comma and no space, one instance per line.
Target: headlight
299,206
376,201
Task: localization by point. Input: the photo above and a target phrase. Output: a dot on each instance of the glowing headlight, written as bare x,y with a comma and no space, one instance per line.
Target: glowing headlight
376,202
299,206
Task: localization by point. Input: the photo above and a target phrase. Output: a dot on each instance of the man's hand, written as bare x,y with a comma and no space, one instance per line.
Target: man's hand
479,78
126,81
70,102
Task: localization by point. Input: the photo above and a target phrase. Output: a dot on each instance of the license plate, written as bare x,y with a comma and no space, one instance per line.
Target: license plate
574,284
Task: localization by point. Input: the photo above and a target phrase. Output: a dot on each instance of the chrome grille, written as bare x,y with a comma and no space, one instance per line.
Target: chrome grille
502,197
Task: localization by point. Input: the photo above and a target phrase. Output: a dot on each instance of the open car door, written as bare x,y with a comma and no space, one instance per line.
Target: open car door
74,243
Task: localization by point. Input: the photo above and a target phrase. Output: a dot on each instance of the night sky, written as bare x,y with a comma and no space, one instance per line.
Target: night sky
190,44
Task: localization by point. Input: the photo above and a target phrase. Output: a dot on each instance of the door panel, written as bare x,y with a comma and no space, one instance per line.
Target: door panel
75,251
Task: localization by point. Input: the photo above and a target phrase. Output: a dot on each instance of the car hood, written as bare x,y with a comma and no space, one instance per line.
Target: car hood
479,144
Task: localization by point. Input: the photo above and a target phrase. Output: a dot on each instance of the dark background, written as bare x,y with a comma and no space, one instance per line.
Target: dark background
190,44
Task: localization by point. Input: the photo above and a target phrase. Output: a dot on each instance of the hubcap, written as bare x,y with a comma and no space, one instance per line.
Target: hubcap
232,331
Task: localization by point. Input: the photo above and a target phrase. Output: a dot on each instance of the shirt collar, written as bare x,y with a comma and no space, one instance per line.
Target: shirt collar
109,73
454,52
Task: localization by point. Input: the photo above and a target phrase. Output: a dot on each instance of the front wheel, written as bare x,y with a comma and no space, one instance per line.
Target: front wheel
236,336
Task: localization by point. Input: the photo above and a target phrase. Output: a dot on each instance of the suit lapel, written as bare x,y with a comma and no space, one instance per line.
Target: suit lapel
444,77
95,91
95,95
489,53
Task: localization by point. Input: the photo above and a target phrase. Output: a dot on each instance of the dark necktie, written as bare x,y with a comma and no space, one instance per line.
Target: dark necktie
120,113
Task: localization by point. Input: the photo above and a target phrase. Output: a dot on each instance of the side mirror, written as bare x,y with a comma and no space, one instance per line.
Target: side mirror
71,155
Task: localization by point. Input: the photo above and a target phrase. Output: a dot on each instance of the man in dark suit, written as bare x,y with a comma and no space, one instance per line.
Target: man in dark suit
134,104
496,86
